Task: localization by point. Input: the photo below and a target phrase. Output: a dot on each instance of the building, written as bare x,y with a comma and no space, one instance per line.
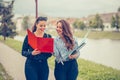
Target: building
106,17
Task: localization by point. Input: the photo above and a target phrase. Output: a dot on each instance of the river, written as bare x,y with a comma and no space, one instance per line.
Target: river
102,51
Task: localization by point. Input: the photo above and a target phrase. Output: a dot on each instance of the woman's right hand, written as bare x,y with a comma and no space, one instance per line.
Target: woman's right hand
35,52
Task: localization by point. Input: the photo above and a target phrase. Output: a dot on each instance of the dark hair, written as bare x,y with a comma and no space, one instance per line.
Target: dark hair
67,34
37,21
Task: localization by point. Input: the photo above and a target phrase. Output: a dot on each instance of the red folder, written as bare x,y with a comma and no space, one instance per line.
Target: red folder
42,44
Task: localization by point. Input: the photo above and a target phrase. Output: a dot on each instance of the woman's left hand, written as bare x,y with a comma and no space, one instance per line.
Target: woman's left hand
73,56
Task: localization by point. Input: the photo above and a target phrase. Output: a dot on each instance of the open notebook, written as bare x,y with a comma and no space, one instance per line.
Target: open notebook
42,44
82,43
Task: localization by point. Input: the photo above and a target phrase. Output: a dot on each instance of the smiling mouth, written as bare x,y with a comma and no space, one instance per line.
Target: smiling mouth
58,31
42,29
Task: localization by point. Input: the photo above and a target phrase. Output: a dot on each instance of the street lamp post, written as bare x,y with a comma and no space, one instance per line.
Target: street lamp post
36,2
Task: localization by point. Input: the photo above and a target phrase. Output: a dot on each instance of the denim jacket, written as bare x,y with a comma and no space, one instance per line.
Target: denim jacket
61,52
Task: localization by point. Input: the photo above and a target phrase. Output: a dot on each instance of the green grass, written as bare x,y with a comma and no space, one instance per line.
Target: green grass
94,34
87,70
91,71
99,34
16,45
3,74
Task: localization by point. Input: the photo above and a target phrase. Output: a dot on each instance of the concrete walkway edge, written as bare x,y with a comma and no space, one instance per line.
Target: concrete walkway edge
13,63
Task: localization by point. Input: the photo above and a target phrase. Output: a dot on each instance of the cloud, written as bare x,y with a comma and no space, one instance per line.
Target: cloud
75,8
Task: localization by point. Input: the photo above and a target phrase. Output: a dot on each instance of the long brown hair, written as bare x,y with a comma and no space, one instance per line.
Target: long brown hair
37,21
67,34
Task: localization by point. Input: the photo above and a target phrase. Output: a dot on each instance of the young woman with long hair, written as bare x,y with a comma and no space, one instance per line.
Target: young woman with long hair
66,67
36,66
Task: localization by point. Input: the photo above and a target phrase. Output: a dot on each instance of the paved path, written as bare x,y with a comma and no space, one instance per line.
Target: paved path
13,63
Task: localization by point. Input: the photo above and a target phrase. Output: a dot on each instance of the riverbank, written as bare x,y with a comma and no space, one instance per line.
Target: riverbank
87,70
94,34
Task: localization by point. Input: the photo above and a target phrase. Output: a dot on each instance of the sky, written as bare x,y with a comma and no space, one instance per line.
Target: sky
66,8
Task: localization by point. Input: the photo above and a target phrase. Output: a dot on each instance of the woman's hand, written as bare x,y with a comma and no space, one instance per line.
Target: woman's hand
35,52
73,56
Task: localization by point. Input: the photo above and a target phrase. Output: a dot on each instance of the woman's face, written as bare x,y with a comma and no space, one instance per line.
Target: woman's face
59,29
41,26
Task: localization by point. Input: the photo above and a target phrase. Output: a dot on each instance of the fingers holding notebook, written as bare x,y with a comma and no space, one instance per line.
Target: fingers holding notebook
73,56
36,51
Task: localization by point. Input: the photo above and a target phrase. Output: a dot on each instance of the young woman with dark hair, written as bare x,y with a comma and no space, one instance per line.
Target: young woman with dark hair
66,67
36,66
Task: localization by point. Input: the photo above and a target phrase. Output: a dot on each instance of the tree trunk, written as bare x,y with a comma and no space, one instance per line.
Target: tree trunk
4,38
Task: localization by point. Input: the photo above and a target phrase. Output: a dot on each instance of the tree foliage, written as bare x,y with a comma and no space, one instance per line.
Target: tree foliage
97,22
115,22
119,9
26,23
7,25
79,25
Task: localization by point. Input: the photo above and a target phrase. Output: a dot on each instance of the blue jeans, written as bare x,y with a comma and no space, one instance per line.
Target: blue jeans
68,71
36,70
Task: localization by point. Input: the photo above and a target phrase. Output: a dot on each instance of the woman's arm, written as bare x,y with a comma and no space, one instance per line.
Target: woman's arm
76,54
25,48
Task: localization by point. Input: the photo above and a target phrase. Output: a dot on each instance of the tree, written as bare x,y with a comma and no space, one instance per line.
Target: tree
79,25
6,19
119,9
97,22
92,23
4,30
115,22
75,24
82,26
25,23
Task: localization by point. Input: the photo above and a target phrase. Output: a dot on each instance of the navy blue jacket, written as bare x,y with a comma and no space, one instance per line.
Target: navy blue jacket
27,50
